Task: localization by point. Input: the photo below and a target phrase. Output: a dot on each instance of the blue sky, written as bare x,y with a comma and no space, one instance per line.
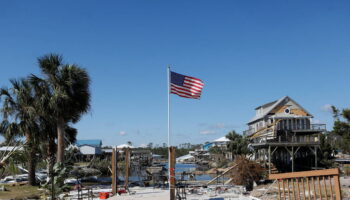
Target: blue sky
247,53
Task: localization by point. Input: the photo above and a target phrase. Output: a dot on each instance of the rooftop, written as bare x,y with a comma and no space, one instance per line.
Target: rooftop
222,139
94,143
268,107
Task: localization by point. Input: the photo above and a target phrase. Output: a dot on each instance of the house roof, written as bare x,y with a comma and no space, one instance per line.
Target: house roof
266,105
125,146
222,139
94,143
183,158
143,146
271,105
88,145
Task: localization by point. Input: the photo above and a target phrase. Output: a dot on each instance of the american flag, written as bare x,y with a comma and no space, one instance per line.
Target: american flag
185,86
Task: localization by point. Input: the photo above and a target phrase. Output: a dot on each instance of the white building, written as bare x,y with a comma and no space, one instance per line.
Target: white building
221,142
90,150
89,147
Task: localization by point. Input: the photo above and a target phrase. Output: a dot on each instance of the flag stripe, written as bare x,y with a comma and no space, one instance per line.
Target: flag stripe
194,81
192,86
185,95
185,91
190,90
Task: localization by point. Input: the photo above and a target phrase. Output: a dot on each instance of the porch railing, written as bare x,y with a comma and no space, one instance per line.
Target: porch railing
312,139
310,127
317,184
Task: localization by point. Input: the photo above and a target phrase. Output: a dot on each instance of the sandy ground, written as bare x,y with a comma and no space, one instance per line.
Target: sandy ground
263,192
159,194
150,193
144,194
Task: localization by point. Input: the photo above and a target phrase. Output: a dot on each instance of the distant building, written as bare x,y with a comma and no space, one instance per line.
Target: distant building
185,146
89,148
220,142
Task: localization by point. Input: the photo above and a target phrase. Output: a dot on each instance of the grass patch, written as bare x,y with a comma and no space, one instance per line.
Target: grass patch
21,192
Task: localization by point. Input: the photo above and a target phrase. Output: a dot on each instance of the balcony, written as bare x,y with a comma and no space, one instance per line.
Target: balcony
312,128
289,140
306,128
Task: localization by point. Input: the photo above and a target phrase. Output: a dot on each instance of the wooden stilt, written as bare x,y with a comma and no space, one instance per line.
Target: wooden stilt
114,171
315,156
292,158
172,172
264,157
269,159
127,166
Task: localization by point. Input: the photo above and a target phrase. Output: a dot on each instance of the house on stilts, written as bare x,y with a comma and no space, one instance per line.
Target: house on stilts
281,134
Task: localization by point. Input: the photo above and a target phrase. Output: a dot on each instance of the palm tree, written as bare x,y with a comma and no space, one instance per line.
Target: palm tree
48,145
20,119
237,145
68,97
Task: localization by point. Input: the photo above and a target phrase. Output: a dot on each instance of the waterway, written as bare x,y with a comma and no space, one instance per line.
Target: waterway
179,168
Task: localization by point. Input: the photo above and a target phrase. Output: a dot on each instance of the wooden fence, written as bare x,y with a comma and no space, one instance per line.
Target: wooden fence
317,184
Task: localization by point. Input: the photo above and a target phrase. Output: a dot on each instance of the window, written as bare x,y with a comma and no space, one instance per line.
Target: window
302,126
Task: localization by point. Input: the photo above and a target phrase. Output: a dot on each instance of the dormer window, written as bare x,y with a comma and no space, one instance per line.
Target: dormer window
287,110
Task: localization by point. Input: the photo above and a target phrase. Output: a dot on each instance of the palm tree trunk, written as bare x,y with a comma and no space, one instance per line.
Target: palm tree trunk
31,160
60,140
51,154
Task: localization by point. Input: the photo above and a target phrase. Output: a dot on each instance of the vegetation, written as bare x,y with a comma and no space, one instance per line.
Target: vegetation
103,165
20,119
61,172
238,144
21,192
246,172
41,109
327,150
67,96
216,150
341,129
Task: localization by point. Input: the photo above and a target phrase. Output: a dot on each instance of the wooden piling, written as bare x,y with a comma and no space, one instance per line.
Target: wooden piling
114,171
127,166
172,172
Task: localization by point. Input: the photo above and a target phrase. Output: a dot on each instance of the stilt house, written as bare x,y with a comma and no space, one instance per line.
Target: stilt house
281,134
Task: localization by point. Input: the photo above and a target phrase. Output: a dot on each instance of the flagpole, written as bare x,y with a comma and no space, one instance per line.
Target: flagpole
169,126
169,82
